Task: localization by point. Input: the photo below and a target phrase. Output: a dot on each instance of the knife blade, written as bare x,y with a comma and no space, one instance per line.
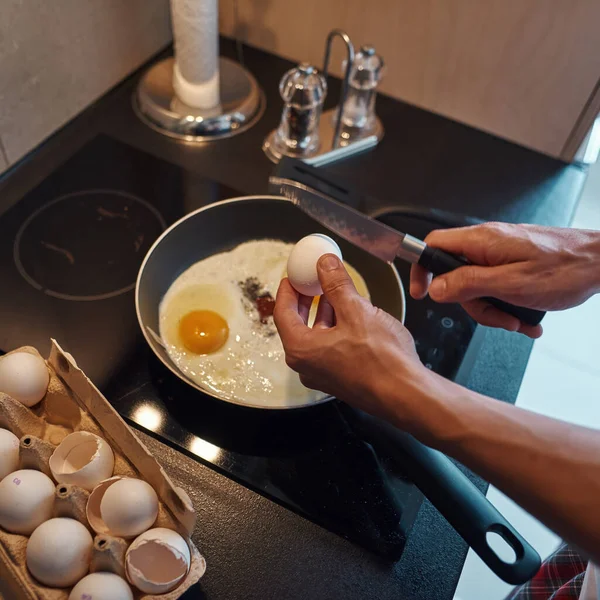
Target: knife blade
372,236
382,241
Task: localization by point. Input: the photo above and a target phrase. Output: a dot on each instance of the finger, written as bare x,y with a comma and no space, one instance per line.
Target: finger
472,242
310,382
286,313
532,331
304,304
337,285
325,315
489,315
468,283
420,279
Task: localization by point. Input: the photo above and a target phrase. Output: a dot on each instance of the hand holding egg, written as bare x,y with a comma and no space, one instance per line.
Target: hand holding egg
345,354
302,262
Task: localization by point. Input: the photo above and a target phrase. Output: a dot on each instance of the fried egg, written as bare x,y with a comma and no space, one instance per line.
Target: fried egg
215,334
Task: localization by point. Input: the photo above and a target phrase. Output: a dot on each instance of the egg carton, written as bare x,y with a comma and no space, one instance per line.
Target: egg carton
72,403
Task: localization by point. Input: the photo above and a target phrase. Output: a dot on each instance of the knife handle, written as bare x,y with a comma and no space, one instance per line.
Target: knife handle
439,262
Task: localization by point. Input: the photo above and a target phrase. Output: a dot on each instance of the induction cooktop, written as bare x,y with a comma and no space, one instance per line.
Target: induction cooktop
69,255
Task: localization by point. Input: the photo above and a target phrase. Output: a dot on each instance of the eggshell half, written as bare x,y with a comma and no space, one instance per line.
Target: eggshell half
24,377
92,508
82,459
303,259
9,452
157,561
26,500
101,586
59,552
128,507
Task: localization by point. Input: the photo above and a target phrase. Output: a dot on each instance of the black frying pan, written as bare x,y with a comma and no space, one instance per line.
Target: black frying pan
224,225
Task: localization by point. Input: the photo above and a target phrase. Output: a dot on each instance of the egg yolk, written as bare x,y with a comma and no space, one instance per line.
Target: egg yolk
203,331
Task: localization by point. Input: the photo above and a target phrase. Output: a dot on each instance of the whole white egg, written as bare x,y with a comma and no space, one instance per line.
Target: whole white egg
26,500
24,377
129,507
101,586
303,259
59,552
157,561
9,452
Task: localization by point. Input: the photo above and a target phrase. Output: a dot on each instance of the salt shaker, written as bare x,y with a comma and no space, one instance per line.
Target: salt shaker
359,108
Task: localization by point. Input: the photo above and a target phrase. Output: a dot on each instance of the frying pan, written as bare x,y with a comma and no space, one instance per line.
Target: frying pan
224,225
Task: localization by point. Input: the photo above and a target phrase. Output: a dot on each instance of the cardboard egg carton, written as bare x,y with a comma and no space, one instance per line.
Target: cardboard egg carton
72,403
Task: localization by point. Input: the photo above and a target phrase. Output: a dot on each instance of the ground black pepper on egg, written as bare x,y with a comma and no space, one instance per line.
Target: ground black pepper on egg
262,300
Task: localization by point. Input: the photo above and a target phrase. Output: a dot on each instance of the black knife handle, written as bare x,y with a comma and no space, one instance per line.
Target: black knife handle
439,262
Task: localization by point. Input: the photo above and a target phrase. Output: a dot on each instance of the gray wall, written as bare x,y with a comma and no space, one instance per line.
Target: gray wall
58,56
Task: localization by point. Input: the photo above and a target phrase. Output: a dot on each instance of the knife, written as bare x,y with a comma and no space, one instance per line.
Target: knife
382,241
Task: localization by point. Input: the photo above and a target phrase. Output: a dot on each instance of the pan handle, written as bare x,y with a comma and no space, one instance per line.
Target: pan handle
451,492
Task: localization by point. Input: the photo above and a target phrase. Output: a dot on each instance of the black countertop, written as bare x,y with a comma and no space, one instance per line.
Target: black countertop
255,548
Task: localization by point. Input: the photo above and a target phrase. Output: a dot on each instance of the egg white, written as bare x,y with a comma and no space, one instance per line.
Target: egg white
250,368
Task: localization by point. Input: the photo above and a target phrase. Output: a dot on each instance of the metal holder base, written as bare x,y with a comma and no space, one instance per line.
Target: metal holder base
349,136
242,104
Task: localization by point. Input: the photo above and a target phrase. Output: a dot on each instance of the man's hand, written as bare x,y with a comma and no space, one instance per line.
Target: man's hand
546,268
353,347
367,358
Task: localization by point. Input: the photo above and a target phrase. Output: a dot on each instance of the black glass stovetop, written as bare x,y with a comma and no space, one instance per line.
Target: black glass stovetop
69,255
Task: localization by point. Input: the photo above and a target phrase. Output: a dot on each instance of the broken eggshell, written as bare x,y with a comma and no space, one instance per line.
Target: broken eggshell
82,459
157,561
92,509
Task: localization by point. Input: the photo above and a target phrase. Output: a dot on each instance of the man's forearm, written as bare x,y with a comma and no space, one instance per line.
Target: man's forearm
550,468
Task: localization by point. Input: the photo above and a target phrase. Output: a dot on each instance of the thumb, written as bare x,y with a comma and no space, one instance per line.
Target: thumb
337,285
467,283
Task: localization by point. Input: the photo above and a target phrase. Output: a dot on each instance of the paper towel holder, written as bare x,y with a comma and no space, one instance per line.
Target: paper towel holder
242,104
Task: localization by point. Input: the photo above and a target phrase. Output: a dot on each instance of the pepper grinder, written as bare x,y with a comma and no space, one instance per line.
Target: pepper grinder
359,108
303,90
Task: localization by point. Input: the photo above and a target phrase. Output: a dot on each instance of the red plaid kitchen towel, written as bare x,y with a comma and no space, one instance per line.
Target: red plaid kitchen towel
560,578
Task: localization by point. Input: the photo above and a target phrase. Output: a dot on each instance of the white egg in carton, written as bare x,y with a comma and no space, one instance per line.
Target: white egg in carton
85,509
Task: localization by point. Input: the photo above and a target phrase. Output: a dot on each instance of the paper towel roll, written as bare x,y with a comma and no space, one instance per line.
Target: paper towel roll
196,38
